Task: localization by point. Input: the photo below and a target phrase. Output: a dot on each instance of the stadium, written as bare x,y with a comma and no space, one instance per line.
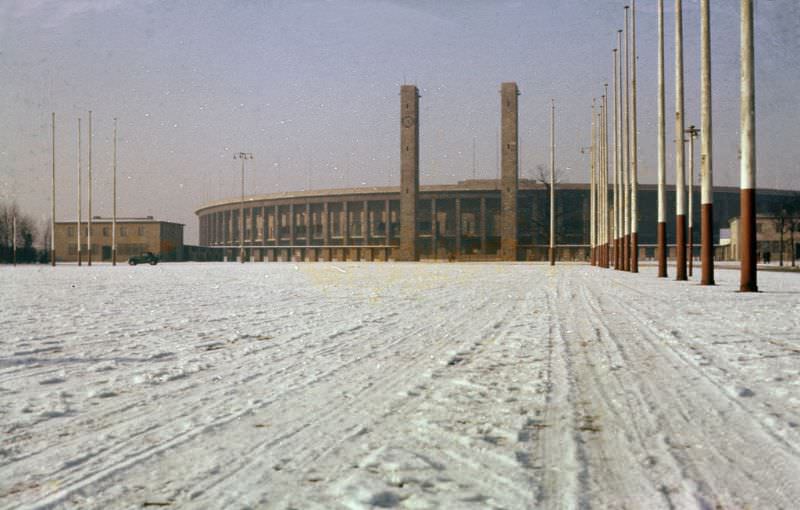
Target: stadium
459,221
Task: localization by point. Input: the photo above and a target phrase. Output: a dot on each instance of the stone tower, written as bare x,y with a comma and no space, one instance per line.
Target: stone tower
409,171
509,172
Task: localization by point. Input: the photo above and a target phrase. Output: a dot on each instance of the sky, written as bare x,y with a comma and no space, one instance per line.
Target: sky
311,88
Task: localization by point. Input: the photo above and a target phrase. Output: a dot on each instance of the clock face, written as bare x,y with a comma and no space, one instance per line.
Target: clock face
408,121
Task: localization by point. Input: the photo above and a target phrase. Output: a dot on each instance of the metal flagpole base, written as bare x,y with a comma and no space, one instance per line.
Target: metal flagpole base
706,245
680,249
662,249
747,237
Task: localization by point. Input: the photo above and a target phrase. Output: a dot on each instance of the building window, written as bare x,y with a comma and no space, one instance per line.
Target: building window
123,231
70,231
105,231
141,230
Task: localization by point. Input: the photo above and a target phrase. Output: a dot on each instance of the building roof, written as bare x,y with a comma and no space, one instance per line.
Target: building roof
468,185
98,219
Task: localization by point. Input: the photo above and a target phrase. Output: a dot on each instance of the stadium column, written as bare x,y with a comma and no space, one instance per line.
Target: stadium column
387,222
434,229
291,233
326,221
309,226
409,171
458,227
345,224
483,226
254,213
509,172
365,222
276,224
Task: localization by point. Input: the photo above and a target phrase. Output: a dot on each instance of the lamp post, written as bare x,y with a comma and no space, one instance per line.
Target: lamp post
692,132
242,156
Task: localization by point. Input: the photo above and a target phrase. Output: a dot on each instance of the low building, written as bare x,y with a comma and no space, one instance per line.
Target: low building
768,239
133,236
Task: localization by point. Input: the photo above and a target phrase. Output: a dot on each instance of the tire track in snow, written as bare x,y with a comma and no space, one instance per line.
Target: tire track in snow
132,437
493,465
359,413
331,371
722,374
101,457
711,454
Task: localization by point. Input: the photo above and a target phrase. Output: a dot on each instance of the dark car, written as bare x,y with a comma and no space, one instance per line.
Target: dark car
144,258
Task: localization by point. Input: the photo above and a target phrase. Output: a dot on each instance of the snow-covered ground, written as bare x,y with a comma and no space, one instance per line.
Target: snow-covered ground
358,385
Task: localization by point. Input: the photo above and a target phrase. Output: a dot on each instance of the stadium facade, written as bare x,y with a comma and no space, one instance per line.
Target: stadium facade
460,221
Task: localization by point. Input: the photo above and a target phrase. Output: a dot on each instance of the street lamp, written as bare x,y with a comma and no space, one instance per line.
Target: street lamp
243,156
692,132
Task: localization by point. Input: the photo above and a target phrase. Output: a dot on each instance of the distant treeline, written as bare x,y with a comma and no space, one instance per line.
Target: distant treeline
26,234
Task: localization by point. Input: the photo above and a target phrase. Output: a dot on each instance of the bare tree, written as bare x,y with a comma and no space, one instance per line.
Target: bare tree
25,233
785,216
542,176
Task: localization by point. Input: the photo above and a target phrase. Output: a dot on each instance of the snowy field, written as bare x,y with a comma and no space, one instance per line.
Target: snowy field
357,385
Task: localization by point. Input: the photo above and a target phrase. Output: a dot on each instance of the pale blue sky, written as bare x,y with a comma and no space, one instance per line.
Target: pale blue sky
312,86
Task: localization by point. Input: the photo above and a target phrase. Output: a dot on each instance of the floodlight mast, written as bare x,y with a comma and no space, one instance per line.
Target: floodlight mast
242,156
692,132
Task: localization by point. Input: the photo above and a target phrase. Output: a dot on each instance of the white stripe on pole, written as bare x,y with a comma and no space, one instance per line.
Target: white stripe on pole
680,177
592,190
748,103
633,139
706,154
662,159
